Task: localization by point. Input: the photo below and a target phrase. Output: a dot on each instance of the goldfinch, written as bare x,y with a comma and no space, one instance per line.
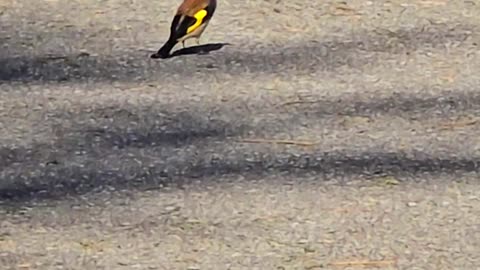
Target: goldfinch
190,21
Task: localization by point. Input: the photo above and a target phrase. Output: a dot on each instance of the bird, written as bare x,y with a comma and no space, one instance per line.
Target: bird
190,20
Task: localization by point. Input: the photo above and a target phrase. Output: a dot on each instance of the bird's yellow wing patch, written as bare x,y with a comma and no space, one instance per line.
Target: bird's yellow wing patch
199,16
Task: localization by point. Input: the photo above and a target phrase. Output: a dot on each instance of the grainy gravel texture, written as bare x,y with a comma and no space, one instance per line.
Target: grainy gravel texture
112,160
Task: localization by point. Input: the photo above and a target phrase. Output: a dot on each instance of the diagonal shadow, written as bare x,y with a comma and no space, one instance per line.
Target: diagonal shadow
57,182
113,139
306,56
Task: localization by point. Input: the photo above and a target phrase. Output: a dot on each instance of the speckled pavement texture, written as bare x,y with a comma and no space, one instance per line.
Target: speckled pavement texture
316,135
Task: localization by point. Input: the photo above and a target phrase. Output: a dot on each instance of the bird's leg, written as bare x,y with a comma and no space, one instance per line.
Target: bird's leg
198,41
183,43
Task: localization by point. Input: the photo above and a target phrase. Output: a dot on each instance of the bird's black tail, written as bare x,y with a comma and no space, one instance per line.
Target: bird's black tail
164,51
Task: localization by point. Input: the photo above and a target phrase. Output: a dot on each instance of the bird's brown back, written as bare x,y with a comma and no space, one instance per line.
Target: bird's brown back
190,7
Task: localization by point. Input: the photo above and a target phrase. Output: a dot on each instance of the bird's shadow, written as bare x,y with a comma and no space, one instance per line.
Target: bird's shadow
199,49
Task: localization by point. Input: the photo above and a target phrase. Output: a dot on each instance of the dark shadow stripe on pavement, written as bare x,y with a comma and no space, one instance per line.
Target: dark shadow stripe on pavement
57,182
359,50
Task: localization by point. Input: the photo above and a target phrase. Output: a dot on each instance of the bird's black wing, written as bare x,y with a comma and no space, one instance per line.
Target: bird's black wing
184,24
180,25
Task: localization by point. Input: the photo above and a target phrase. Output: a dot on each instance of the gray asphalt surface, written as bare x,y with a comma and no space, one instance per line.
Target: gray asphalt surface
313,135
